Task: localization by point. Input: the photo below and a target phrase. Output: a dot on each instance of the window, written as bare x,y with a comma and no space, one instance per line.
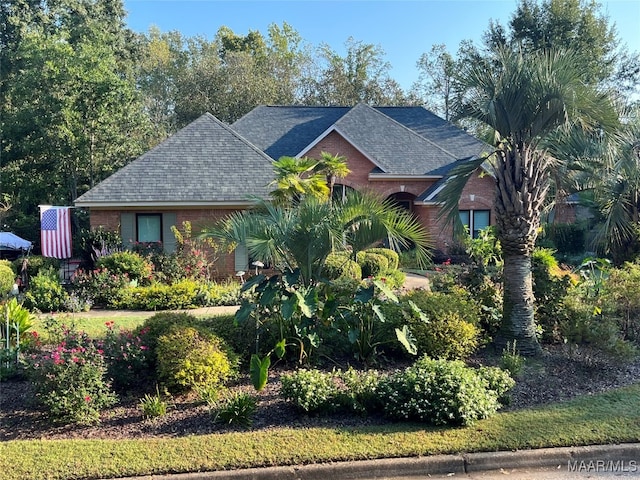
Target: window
340,192
403,200
475,220
149,227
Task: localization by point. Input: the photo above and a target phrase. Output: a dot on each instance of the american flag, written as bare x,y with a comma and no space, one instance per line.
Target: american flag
55,231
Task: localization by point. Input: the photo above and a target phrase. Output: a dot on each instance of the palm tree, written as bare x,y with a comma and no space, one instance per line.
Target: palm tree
523,99
334,167
297,177
303,235
617,191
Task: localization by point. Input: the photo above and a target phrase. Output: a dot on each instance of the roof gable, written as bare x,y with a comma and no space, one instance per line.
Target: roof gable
398,140
204,163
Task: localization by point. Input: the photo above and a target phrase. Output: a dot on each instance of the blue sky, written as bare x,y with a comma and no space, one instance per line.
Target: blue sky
404,29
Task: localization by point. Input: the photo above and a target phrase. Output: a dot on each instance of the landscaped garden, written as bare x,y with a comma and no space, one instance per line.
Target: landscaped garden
352,366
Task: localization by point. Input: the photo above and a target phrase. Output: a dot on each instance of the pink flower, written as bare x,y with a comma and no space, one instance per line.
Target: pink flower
87,399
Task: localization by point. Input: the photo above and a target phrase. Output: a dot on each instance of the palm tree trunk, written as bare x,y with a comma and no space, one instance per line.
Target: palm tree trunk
518,310
522,184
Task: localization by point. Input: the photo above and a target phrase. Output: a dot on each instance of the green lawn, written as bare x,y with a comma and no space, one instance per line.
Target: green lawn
612,417
94,324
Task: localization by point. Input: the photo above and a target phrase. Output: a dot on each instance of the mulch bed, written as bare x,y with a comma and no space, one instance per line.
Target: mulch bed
556,376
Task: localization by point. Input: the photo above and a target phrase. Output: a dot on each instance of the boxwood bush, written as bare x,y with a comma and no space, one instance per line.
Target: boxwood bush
339,265
372,264
392,257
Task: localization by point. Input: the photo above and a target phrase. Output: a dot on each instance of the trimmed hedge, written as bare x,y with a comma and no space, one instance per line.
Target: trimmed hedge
338,265
372,264
392,257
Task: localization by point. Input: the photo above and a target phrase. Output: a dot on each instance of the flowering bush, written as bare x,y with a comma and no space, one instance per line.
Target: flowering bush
125,353
132,264
100,286
440,392
321,392
311,390
70,380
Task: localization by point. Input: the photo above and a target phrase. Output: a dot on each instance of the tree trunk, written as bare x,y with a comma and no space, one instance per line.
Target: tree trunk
522,182
518,323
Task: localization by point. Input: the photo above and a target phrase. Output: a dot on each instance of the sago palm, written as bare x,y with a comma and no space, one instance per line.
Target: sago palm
523,99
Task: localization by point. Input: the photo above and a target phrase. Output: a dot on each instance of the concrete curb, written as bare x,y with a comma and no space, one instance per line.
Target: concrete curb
422,467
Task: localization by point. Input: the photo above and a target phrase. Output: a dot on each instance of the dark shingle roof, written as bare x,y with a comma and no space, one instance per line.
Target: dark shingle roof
430,126
399,140
208,162
286,131
205,162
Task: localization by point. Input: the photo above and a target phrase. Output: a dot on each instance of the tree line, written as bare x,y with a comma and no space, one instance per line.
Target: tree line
81,95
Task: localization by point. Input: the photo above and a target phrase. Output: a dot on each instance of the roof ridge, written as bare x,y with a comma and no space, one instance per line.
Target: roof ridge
229,129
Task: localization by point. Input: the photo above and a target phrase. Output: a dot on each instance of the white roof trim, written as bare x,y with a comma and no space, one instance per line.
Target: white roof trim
391,176
433,194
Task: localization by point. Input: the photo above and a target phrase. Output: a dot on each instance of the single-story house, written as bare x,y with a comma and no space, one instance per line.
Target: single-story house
209,169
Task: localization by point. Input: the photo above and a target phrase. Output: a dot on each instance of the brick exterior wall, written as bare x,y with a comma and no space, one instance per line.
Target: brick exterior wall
199,218
477,195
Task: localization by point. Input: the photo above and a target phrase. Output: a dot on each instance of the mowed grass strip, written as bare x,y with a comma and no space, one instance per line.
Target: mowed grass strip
611,417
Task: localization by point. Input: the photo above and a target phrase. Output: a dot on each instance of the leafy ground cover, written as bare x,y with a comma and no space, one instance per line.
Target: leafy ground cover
558,400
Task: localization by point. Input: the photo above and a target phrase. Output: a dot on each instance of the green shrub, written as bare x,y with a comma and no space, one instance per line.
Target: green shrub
372,264
241,337
451,331
340,266
583,324
9,263
132,264
394,278
7,278
161,324
35,263
408,260
215,294
360,392
46,292
438,392
392,257
180,295
70,379
620,298
568,238
311,391
187,358
236,409
498,380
